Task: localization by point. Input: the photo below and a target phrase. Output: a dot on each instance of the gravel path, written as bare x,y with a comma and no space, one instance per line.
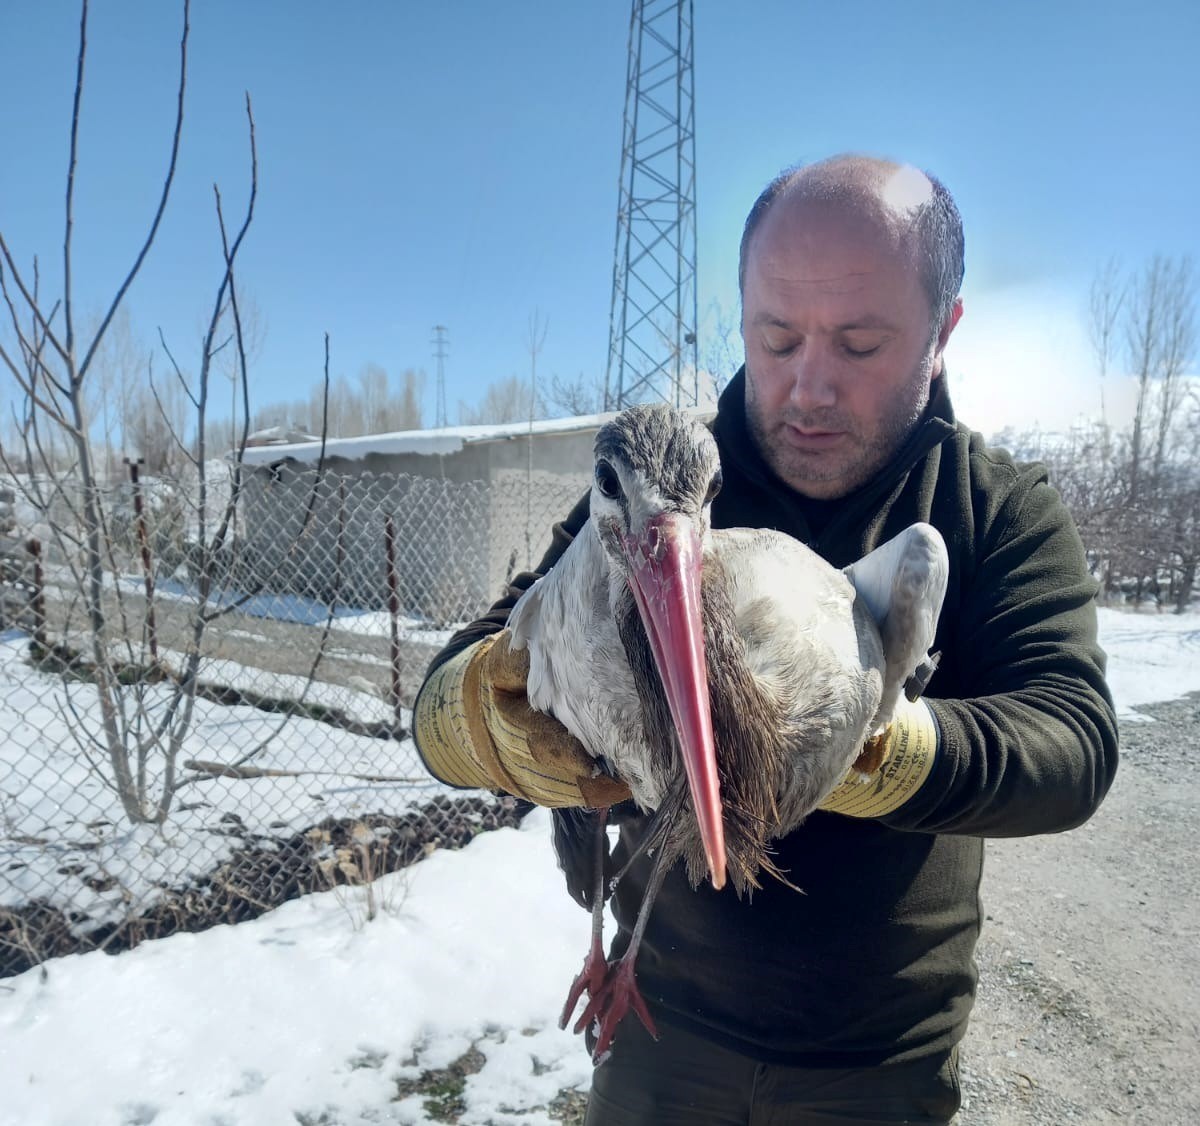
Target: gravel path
1089,989
1090,983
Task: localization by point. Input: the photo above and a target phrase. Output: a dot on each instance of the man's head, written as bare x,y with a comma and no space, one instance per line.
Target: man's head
849,275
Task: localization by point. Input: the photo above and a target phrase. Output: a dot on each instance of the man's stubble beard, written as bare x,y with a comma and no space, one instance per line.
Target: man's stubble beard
870,453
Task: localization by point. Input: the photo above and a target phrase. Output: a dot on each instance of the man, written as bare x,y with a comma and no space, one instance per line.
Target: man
845,1003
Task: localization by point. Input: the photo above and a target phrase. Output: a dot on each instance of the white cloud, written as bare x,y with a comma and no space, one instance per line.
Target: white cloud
1021,358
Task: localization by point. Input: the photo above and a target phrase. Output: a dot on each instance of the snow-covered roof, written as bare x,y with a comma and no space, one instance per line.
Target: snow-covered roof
279,436
447,440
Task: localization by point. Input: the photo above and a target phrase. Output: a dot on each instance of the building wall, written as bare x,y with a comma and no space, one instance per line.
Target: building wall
465,522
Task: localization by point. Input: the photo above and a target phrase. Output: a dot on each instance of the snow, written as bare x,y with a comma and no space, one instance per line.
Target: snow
272,605
279,435
448,440
310,1013
308,1009
1152,657
359,700
70,806
295,608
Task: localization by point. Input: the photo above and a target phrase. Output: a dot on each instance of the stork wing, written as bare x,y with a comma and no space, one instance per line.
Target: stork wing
578,671
903,583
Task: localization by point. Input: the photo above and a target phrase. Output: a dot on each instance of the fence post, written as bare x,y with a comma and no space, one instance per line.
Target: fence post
139,519
34,547
389,539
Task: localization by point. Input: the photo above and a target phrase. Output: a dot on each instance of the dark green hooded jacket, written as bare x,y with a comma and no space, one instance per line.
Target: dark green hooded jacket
873,960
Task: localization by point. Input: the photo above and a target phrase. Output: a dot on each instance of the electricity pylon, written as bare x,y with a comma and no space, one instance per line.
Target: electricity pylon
652,351
439,350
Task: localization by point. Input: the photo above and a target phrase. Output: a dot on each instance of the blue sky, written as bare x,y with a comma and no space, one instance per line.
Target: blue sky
457,163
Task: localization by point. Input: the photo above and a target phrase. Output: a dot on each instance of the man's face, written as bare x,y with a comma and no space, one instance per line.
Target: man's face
840,349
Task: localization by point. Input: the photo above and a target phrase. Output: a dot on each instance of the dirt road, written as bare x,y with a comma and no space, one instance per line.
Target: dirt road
1090,973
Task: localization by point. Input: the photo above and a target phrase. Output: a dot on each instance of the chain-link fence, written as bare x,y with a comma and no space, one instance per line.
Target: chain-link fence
207,725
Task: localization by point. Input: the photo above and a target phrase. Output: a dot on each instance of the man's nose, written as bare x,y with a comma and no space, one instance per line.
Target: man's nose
813,380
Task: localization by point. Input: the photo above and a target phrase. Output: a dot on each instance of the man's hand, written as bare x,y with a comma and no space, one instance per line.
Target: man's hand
474,728
892,767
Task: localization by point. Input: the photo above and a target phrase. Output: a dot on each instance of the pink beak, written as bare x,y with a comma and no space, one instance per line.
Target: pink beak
664,573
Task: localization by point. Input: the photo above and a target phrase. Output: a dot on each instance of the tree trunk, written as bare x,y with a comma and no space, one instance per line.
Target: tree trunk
1186,582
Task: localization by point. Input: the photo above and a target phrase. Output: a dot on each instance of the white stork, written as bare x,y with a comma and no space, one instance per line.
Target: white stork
729,677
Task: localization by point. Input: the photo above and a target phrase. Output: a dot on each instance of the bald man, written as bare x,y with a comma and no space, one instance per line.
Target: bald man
845,1003
849,296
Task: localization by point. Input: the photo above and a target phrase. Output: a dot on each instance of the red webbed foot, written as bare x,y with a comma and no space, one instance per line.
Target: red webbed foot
590,980
610,1002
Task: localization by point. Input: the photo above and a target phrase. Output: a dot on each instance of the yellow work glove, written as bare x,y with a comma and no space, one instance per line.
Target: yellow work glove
474,728
892,767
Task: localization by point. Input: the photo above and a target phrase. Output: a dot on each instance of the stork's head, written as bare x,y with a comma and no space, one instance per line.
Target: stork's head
652,459
656,474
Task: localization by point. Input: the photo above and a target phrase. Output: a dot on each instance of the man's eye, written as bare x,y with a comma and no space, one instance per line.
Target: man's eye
607,481
860,353
783,349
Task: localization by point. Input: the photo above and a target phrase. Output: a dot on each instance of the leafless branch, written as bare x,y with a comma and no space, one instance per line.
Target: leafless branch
162,202
32,302
162,340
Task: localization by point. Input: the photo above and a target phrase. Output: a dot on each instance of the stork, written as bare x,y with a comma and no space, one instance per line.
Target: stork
730,677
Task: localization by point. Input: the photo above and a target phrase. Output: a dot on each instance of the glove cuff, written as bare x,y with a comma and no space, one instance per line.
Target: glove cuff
910,746
447,725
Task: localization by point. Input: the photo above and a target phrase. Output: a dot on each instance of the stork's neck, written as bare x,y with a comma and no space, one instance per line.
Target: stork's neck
581,576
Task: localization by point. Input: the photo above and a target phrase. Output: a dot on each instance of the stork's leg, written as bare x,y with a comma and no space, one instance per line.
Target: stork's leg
619,992
657,828
595,967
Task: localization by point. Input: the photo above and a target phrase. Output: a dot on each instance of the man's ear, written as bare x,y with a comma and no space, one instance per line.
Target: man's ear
943,336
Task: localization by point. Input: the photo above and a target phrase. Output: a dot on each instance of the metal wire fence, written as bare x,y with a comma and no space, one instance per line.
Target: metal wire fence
205,729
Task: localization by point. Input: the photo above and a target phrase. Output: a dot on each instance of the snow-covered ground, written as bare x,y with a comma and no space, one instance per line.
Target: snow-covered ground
308,1011
294,608
48,793
309,1014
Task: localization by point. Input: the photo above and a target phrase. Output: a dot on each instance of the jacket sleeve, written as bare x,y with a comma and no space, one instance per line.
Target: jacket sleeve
497,616
1030,744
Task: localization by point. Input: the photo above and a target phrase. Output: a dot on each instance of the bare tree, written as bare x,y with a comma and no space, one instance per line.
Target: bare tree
505,400
374,401
410,409
385,408
254,332
721,354
145,706
121,364
155,423
1175,352
575,397
1105,300
1160,341
376,406
1135,493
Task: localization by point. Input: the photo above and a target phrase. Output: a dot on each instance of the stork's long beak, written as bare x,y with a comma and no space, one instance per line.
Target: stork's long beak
664,572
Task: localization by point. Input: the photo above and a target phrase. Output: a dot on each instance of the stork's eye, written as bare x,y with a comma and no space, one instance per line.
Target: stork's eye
714,487
607,480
